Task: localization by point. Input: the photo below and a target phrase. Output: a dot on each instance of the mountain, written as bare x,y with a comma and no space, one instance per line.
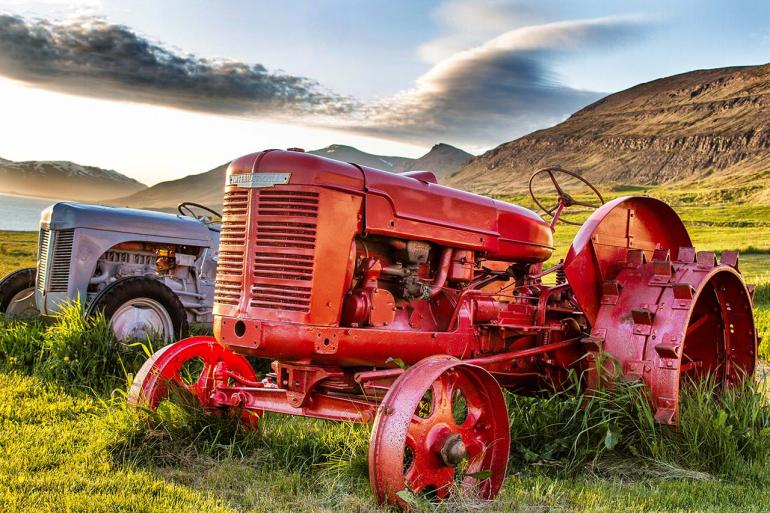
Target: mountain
442,159
63,180
351,154
206,188
707,127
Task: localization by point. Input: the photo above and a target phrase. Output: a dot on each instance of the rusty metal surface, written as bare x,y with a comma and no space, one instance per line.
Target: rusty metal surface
401,428
666,321
599,250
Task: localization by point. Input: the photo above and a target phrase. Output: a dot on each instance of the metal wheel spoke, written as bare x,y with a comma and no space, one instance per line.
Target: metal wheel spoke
415,439
206,377
697,323
474,445
418,428
443,390
414,480
468,427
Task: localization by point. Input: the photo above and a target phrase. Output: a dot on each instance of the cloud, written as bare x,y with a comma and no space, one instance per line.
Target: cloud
90,57
493,91
503,88
468,23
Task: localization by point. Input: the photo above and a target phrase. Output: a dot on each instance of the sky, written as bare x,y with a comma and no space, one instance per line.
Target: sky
159,89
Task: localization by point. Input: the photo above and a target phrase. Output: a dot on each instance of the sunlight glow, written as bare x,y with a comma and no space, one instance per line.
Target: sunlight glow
148,143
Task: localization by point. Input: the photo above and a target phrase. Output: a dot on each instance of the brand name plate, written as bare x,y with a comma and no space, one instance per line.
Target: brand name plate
255,180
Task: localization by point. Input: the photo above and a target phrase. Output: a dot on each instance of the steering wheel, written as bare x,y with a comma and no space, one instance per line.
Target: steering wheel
564,199
186,207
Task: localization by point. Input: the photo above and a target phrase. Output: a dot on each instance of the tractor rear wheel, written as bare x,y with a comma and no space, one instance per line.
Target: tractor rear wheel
140,307
441,429
17,293
670,322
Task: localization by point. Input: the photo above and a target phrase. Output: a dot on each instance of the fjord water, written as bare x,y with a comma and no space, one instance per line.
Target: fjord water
21,212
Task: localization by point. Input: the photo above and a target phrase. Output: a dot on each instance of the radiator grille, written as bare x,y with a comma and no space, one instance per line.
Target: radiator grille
54,260
59,278
232,247
42,266
282,270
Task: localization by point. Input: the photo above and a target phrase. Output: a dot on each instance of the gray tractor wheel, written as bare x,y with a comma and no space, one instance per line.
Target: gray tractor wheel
17,293
139,307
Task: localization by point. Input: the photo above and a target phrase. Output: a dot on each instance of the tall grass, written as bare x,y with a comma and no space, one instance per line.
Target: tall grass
721,431
69,348
180,429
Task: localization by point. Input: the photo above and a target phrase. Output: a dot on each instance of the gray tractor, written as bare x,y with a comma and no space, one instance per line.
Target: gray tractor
150,273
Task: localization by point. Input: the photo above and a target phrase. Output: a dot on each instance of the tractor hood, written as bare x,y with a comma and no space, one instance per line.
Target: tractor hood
65,215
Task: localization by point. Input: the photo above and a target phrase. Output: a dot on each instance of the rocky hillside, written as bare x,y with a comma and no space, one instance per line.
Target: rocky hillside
702,127
206,188
64,180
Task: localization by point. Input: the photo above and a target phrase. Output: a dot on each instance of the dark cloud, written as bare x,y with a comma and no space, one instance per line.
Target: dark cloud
501,89
484,95
91,57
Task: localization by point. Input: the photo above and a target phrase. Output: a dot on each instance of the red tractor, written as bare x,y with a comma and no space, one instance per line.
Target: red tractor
391,299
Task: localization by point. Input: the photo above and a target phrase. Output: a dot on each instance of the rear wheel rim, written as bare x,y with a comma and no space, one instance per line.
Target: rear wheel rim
142,318
22,303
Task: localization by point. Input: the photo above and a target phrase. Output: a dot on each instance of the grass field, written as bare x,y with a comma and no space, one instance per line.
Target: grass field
68,444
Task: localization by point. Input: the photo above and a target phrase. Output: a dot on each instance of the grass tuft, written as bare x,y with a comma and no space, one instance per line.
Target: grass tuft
71,349
721,432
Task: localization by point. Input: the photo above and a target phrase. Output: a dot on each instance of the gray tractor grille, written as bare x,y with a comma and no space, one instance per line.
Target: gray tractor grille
53,272
42,262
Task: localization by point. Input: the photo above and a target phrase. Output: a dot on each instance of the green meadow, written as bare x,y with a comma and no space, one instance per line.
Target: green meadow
67,442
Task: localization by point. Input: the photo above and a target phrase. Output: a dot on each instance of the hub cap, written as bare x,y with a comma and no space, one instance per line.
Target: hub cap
22,304
140,318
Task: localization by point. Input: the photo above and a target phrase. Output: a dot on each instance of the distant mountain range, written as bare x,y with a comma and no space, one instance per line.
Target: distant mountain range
206,188
63,180
442,159
707,128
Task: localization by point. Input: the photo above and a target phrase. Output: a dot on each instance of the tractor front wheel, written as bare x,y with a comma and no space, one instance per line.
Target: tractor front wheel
442,429
139,307
190,367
